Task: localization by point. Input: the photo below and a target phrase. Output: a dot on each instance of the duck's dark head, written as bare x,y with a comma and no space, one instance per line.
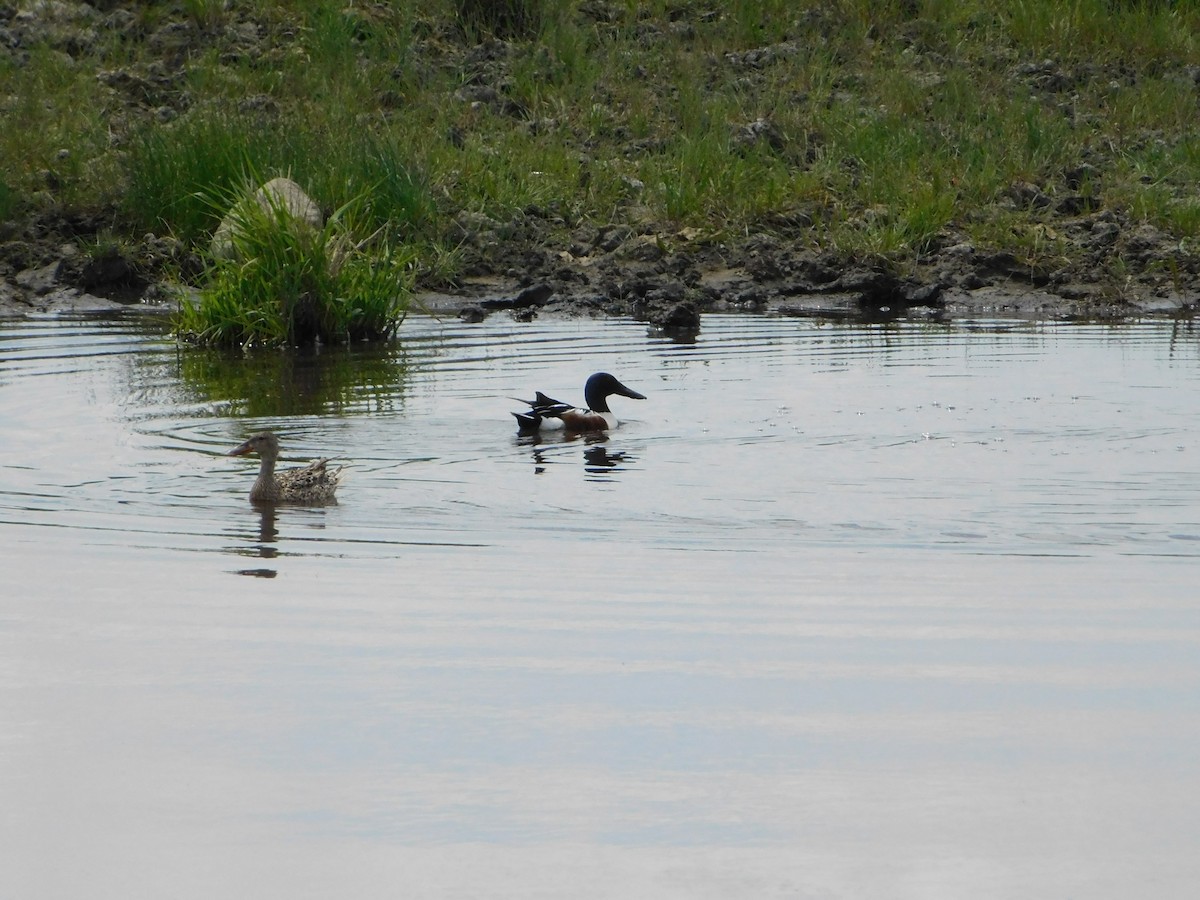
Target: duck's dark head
601,386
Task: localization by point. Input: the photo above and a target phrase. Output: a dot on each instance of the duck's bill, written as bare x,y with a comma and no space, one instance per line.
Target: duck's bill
240,451
631,394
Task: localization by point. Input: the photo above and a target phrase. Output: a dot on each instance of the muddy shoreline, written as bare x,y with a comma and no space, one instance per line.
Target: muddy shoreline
666,280
535,263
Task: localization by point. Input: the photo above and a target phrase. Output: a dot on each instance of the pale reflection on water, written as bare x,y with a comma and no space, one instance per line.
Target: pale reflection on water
837,612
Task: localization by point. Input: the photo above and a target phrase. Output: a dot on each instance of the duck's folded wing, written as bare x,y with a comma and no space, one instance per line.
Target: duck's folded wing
555,410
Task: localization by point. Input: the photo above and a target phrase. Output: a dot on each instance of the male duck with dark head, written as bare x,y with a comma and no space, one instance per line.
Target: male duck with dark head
314,483
547,414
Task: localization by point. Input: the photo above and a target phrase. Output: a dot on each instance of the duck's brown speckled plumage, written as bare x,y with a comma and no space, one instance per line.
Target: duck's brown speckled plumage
314,483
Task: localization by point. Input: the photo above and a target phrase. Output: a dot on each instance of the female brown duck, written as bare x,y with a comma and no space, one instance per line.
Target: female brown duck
314,483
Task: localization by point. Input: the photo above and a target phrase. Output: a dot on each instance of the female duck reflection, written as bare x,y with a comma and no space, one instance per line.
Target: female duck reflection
263,541
260,543
267,535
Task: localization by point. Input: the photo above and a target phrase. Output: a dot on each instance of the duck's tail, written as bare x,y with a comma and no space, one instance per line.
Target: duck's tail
528,421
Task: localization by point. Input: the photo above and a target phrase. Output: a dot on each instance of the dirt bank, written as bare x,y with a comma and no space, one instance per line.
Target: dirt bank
665,278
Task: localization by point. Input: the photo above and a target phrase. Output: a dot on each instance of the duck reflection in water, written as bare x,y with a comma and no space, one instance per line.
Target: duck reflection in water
268,532
261,544
262,540
598,459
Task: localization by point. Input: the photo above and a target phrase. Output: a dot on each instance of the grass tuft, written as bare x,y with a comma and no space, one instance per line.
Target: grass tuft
174,173
286,282
8,201
504,19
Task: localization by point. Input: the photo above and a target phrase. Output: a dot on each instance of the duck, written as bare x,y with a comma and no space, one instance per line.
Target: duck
547,414
314,483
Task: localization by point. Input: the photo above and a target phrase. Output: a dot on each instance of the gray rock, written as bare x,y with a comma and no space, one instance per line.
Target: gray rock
41,280
280,193
1028,196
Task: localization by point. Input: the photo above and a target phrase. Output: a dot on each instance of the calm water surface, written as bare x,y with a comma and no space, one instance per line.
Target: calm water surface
838,612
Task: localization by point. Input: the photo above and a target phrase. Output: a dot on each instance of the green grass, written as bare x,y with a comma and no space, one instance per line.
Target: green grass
502,18
8,201
899,118
61,147
175,170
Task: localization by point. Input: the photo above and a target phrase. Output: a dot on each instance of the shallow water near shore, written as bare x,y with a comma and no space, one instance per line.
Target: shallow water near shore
838,611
